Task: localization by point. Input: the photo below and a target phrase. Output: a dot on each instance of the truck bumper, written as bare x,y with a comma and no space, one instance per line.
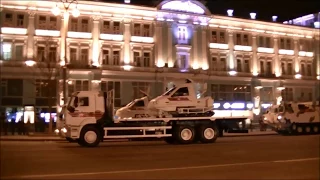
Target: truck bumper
72,132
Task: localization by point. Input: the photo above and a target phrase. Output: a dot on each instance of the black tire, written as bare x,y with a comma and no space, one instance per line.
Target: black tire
186,130
71,140
208,133
170,140
89,137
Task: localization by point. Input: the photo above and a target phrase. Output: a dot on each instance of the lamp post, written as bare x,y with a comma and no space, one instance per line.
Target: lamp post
75,13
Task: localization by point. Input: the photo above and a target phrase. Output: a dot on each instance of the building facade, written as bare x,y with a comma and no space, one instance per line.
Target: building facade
246,63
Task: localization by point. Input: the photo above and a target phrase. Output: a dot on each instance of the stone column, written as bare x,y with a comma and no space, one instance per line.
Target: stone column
204,62
31,33
95,41
231,56
296,56
127,38
169,58
254,68
195,60
277,64
158,38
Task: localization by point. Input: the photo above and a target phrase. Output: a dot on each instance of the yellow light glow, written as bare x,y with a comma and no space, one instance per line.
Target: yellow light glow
127,67
7,30
160,63
30,63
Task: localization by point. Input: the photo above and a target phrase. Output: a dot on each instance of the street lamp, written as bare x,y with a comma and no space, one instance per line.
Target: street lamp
75,13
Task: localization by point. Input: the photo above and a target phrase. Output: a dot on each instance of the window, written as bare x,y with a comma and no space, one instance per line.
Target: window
116,27
246,66
214,37
106,27
85,25
238,39
303,71
116,58
8,19
283,68
11,87
139,103
138,87
309,70
289,68
20,20
83,101
183,61
222,38
84,57
52,54
73,55
53,23
40,54
261,43
79,85
239,65
214,64
105,57
245,40
146,59
182,35
305,94
287,94
223,64
6,51
45,88
269,68
262,71
19,52
184,91
42,22
3,85
288,45
268,44
282,44
74,25
266,94
136,59
113,85
222,92
136,30
146,30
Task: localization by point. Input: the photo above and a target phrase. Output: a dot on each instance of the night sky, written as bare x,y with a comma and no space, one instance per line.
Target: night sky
265,9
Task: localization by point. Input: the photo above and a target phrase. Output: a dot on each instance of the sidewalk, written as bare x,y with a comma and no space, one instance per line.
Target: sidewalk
48,137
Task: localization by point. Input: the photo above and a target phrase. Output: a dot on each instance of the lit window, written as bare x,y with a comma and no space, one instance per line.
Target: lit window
6,51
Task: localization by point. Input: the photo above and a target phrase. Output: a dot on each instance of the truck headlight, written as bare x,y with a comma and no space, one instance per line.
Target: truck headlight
279,117
57,131
64,130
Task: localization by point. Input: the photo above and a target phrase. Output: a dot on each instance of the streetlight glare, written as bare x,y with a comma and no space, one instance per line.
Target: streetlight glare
55,11
30,63
76,12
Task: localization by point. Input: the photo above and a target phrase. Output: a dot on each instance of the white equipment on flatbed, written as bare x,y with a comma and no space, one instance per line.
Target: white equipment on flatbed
293,118
89,120
182,101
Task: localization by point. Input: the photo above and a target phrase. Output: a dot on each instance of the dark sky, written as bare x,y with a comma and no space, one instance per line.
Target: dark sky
265,9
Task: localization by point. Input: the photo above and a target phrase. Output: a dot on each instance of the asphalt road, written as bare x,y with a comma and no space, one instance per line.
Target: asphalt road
254,157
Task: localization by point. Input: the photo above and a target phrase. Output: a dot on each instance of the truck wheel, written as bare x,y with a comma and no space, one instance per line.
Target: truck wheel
315,129
308,130
90,136
299,130
185,134
207,133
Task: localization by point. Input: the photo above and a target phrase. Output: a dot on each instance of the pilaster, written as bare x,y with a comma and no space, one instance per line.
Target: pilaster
231,55
277,64
204,62
127,59
95,41
31,33
254,63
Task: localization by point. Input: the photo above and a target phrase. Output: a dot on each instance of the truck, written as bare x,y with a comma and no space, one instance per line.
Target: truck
292,118
187,118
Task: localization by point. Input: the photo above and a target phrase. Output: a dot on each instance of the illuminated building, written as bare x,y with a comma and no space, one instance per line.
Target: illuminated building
310,20
128,48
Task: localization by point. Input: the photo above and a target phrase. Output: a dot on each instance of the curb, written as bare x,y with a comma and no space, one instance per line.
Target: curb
122,140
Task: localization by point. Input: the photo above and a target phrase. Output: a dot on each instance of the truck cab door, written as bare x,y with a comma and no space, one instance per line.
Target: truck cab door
84,107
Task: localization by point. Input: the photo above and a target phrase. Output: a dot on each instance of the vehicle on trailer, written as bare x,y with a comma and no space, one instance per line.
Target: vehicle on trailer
184,100
294,118
89,119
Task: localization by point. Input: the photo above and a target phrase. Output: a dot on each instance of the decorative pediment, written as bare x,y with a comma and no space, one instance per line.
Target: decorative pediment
187,6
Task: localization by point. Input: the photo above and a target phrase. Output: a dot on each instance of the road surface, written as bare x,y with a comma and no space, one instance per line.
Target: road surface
254,157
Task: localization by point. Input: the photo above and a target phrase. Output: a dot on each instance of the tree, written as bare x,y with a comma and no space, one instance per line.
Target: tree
45,67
